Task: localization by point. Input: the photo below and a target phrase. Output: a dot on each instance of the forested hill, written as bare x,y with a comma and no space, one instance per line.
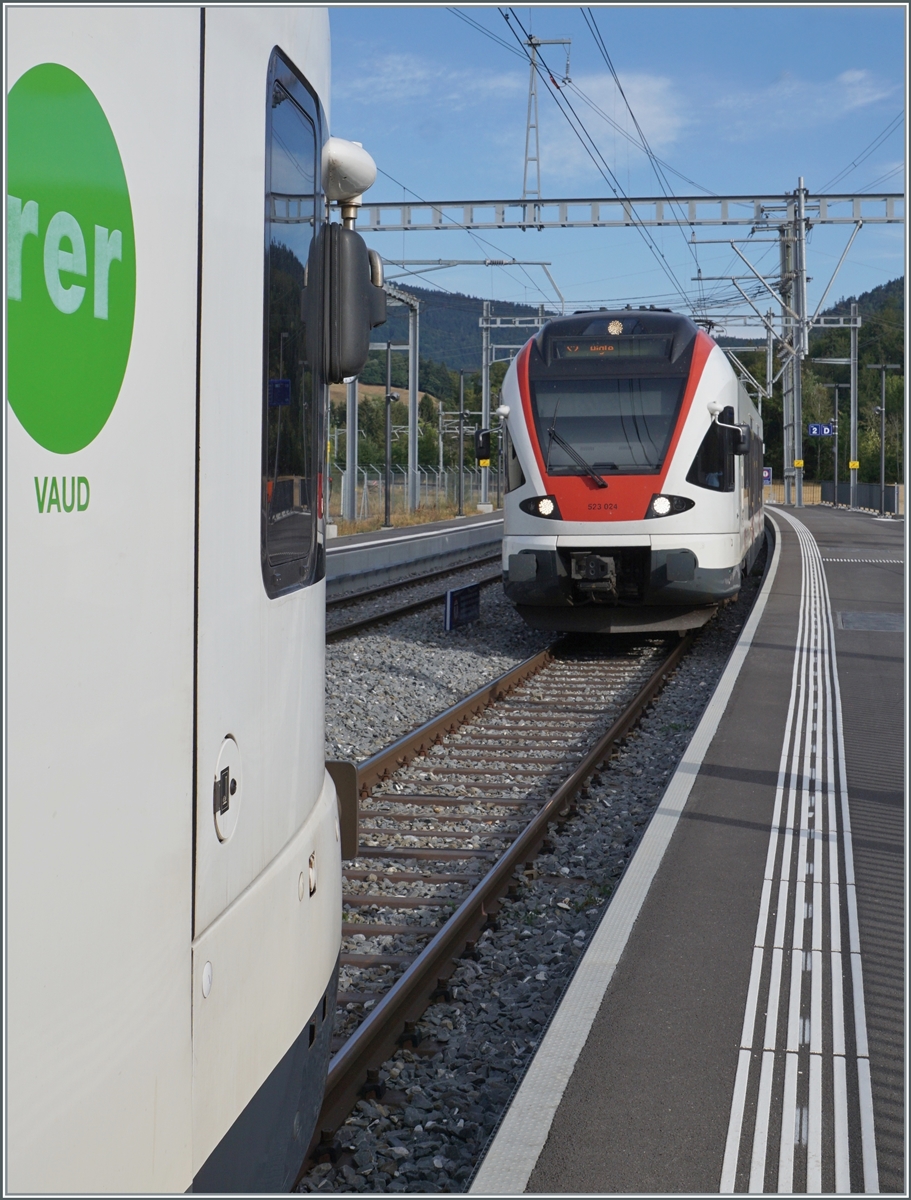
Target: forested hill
449,330
450,333
886,296
882,313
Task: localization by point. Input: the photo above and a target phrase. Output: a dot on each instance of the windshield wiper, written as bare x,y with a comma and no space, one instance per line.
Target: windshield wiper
571,451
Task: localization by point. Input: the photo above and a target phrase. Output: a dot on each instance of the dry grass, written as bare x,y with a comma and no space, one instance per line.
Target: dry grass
421,516
339,391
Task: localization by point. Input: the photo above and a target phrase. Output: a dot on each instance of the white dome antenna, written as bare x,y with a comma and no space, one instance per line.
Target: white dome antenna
348,171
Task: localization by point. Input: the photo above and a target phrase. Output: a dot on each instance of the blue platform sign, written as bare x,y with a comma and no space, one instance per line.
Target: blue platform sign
279,392
819,430
766,476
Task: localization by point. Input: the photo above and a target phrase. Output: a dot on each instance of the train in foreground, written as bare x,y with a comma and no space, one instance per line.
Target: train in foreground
179,296
634,474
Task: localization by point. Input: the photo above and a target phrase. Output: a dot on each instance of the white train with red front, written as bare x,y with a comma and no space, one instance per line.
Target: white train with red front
634,474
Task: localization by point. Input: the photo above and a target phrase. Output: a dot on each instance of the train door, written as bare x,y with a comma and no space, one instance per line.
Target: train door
267,881
102,159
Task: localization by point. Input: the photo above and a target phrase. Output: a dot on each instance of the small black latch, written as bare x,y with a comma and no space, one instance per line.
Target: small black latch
222,792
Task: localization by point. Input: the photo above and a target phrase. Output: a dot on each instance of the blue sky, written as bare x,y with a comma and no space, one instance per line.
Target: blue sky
739,99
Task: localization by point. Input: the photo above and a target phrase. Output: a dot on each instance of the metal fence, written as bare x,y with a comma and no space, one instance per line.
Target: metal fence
868,495
774,493
436,489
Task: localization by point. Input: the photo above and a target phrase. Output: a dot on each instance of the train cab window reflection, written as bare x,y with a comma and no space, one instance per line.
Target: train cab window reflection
713,466
616,424
291,482
515,476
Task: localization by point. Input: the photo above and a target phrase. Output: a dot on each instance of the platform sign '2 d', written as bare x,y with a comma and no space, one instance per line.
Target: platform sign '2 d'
71,260
820,430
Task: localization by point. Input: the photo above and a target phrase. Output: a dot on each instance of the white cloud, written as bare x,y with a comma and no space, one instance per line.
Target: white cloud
660,110
741,114
397,79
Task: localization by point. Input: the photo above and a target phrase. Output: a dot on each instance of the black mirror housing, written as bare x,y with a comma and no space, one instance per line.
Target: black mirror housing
482,443
355,304
740,435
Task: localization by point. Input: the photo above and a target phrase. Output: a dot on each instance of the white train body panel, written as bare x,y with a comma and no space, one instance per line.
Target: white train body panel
131,633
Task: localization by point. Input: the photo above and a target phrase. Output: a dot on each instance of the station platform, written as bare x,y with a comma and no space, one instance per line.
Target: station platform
386,555
737,1022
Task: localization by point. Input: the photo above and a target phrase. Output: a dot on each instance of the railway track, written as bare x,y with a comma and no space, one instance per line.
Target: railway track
417,595
449,817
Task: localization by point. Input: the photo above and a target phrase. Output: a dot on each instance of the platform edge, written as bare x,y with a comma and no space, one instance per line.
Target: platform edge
514,1152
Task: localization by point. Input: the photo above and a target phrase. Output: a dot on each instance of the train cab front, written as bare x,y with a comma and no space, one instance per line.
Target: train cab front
621,509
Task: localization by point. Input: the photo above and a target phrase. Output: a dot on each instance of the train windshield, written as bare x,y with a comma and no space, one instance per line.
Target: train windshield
615,425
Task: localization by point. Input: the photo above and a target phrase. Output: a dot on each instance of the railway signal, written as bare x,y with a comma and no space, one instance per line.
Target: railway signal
482,446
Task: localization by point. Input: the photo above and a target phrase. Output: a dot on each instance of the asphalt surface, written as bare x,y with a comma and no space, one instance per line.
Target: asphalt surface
648,1106
871,665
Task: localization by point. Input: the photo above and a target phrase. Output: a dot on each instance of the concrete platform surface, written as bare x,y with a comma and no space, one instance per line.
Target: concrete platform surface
737,1023
386,555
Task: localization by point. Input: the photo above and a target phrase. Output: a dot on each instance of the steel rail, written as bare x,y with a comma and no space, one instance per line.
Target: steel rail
378,1035
389,614
400,752
415,581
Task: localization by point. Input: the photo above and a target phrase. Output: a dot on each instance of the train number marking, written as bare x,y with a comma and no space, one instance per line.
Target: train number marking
606,507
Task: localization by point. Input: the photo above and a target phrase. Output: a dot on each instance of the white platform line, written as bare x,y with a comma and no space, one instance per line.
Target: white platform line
788,773
782,917
788,1123
865,1094
732,1145
816,1002
761,1130
771,1021
793,1042
749,1015
838,1014
840,1101
864,1086
808,762
867,1130
762,924
814,1127
410,537
860,1023
515,1150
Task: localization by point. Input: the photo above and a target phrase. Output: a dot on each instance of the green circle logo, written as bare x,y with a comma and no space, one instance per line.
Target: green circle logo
71,260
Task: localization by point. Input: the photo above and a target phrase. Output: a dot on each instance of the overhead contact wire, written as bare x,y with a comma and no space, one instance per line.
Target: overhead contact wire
663,183
578,127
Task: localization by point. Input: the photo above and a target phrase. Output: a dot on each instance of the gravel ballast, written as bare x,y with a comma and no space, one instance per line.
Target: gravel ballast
388,680
445,1097
339,614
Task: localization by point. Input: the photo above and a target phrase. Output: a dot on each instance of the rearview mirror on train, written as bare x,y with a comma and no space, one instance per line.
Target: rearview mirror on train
356,302
741,434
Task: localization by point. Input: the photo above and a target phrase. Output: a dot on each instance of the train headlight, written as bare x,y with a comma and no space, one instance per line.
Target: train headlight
665,506
542,506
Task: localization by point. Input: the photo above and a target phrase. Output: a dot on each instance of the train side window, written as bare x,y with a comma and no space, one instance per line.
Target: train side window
291,493
514,474
713,466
